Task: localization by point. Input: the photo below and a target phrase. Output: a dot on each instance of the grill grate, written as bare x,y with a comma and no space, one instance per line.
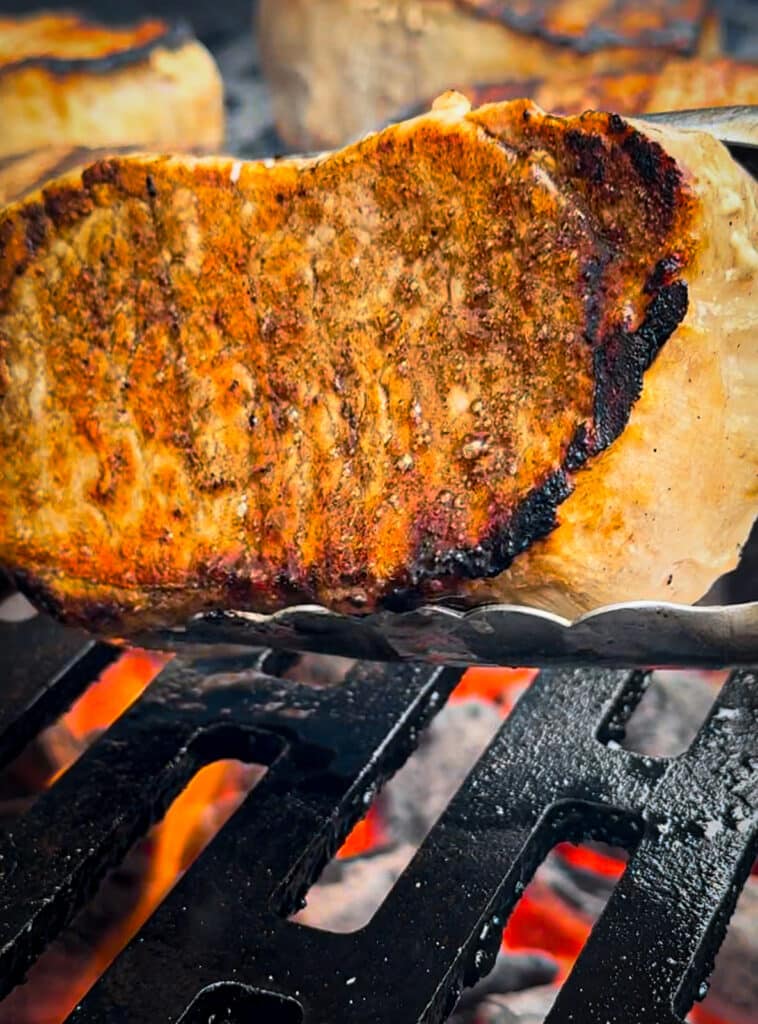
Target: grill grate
552,773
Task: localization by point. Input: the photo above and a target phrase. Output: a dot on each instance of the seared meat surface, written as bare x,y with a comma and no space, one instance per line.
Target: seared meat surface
368,379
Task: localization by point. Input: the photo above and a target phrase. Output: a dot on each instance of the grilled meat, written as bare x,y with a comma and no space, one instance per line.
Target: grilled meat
492,354
340,68
65,81
679,84
22,173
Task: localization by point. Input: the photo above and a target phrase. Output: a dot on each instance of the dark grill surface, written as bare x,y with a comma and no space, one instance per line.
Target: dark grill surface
554,772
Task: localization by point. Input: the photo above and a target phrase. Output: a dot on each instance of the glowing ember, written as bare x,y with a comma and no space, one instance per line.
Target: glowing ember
702,1015
100,705
592,860
503,686
542,921
369,834
63,975
197,814
116,689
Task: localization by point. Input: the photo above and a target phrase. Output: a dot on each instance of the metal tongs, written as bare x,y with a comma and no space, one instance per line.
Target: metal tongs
736,127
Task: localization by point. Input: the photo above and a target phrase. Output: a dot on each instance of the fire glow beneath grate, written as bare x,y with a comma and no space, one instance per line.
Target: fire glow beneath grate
554,914
55,749
131,893
129,896
383,843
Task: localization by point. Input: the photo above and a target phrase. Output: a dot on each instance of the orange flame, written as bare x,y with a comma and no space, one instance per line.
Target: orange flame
502,686
592,860
102,703
193,819
196,815
369,834
541,921
702,1015
116,689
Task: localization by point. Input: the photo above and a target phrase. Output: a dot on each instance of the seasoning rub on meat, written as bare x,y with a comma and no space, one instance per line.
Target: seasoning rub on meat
491,354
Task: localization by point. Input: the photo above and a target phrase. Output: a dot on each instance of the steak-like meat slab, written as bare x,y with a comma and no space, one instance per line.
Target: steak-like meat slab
680,84
375,378
339,68
68,81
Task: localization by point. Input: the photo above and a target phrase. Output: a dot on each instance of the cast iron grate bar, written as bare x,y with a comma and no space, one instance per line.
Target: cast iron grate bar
549,775
43,669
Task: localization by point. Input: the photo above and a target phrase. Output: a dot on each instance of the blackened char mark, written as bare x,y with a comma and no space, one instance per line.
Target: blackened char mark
65,205
20,238
590,154
174,37
36,229
581,448
621,362
657,170
532,519
674,26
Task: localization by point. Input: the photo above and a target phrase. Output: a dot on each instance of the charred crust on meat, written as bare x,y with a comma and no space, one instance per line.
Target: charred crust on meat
672,26
65,205
591,197
102,172
36,228
654,166
170,36
592,274
39,593
620,359
533,518
589,151
579,450
664,273
621,362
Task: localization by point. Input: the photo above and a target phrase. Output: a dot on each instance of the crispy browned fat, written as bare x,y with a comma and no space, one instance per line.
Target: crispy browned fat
368,379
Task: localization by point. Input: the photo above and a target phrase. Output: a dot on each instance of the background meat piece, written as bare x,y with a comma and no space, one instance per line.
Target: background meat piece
342,67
